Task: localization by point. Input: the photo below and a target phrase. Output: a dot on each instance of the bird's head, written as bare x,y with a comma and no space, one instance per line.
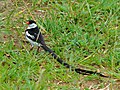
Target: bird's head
31,24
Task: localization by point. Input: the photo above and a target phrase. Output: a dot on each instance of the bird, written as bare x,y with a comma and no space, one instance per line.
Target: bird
35,37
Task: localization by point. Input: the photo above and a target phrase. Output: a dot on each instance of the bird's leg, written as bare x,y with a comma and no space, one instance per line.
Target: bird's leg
38,48
31,48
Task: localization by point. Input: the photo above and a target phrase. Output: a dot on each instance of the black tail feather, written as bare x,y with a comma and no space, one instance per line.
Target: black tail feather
55,56
86,72
78,70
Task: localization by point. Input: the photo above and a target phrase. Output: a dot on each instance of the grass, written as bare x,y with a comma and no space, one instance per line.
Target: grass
83,33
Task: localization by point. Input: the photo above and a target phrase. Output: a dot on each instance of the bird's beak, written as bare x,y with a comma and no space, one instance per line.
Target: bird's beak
27,23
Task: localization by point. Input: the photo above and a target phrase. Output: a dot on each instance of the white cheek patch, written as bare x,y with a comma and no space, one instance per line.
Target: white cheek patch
29,35
33,25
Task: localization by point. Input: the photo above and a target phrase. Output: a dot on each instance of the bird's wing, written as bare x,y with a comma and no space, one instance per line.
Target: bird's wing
40,39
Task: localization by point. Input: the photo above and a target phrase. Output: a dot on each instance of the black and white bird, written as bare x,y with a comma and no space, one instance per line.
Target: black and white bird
34,36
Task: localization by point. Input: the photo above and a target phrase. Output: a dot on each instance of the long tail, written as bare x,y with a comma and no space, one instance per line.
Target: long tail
78,70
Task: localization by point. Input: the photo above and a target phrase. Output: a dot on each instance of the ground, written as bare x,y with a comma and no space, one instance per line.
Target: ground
83,33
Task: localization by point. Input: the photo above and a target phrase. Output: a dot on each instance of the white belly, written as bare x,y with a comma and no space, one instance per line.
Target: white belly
32,42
